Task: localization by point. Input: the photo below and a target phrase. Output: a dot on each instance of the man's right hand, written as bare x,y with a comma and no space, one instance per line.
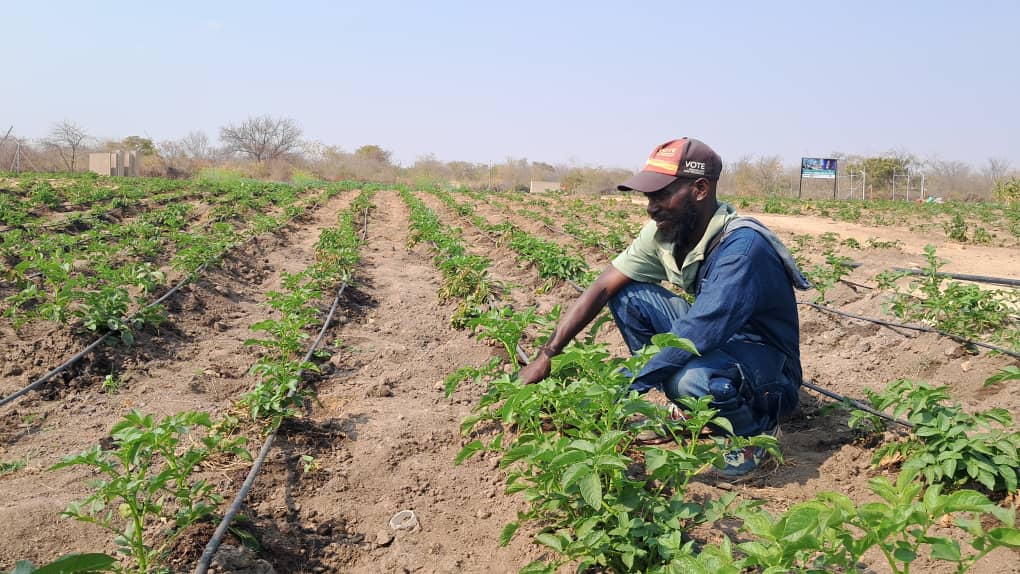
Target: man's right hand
588,304
536,370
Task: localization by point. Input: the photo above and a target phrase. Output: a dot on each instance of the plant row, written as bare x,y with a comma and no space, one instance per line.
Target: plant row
599,499
151,487
553,262
600,224
98,281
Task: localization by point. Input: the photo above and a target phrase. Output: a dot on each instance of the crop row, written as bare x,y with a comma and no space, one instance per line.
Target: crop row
553,262
98,275
959,308
600,499
151,488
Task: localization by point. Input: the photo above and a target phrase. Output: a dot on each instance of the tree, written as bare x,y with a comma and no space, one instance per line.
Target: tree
374,154
427,169
1007,190
139,144
769,172
196,145
880,170
995,169
262,138
951,177
756,175
67,139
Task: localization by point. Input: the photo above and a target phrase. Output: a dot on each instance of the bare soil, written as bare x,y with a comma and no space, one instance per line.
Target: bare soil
381,436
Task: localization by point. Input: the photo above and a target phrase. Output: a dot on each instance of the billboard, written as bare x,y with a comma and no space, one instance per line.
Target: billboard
818,167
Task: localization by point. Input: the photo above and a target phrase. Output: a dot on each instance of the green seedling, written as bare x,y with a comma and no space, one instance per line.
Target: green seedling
146,494
946,445
7,467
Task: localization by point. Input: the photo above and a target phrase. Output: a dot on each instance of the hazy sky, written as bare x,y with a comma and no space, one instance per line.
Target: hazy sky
596,83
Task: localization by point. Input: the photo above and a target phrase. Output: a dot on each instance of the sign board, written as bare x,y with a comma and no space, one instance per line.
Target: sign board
817,168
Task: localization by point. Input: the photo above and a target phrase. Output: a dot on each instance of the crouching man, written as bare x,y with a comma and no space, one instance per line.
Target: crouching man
744,317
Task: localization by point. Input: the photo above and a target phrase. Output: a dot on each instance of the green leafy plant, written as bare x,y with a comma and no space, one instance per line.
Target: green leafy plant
832,533
147,489
961,309
309,464
947,445
69,564
956,229
1008,373
825,277
573,459
7,467
507,326
111,383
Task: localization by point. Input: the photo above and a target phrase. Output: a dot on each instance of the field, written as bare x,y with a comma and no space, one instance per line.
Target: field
444,280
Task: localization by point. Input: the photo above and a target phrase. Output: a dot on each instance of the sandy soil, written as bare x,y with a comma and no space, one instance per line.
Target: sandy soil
382,436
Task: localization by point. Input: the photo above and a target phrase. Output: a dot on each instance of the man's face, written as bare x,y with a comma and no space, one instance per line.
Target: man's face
674,211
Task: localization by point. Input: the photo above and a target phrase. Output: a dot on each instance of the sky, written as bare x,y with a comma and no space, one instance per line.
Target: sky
579,83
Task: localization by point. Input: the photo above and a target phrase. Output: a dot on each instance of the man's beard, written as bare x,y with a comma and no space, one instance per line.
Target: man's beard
679,230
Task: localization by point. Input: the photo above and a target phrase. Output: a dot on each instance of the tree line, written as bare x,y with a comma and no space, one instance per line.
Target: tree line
274,148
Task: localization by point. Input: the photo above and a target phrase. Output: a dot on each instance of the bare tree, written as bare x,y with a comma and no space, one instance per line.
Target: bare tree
196,145
67,139
995,169
262,138
172,151
951,178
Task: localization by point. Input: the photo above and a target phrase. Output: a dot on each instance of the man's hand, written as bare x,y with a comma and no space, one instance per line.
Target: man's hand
588,304
536,370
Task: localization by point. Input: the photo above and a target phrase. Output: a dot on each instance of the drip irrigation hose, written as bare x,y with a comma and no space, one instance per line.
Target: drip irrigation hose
92,346
235,506
921,328
856,404
963,276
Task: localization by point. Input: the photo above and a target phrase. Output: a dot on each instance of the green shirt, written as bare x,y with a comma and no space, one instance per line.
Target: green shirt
649,260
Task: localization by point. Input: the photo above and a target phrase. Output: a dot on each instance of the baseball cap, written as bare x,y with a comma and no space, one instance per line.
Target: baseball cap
675,159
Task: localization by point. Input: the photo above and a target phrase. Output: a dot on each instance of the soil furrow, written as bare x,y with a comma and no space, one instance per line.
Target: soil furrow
197,362
396,436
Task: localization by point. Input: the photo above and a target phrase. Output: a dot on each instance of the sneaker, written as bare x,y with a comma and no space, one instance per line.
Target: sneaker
744,460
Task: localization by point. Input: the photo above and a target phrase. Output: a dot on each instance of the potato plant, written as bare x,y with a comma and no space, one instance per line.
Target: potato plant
147,482
946,445
277,393
959,308
603,502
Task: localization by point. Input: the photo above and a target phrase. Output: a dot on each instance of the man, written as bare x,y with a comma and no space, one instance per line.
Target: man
744,318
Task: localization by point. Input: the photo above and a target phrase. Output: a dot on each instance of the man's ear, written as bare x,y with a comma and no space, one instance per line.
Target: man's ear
701,189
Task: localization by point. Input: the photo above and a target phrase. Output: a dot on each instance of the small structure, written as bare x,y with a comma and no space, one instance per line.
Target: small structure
121,163
543,186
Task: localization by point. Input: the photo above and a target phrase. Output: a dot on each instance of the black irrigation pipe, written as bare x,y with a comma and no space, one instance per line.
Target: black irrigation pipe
963,276
235,507
92,346
921,328
856,404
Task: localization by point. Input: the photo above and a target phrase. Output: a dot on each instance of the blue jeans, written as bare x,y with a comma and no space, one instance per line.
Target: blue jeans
744,377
